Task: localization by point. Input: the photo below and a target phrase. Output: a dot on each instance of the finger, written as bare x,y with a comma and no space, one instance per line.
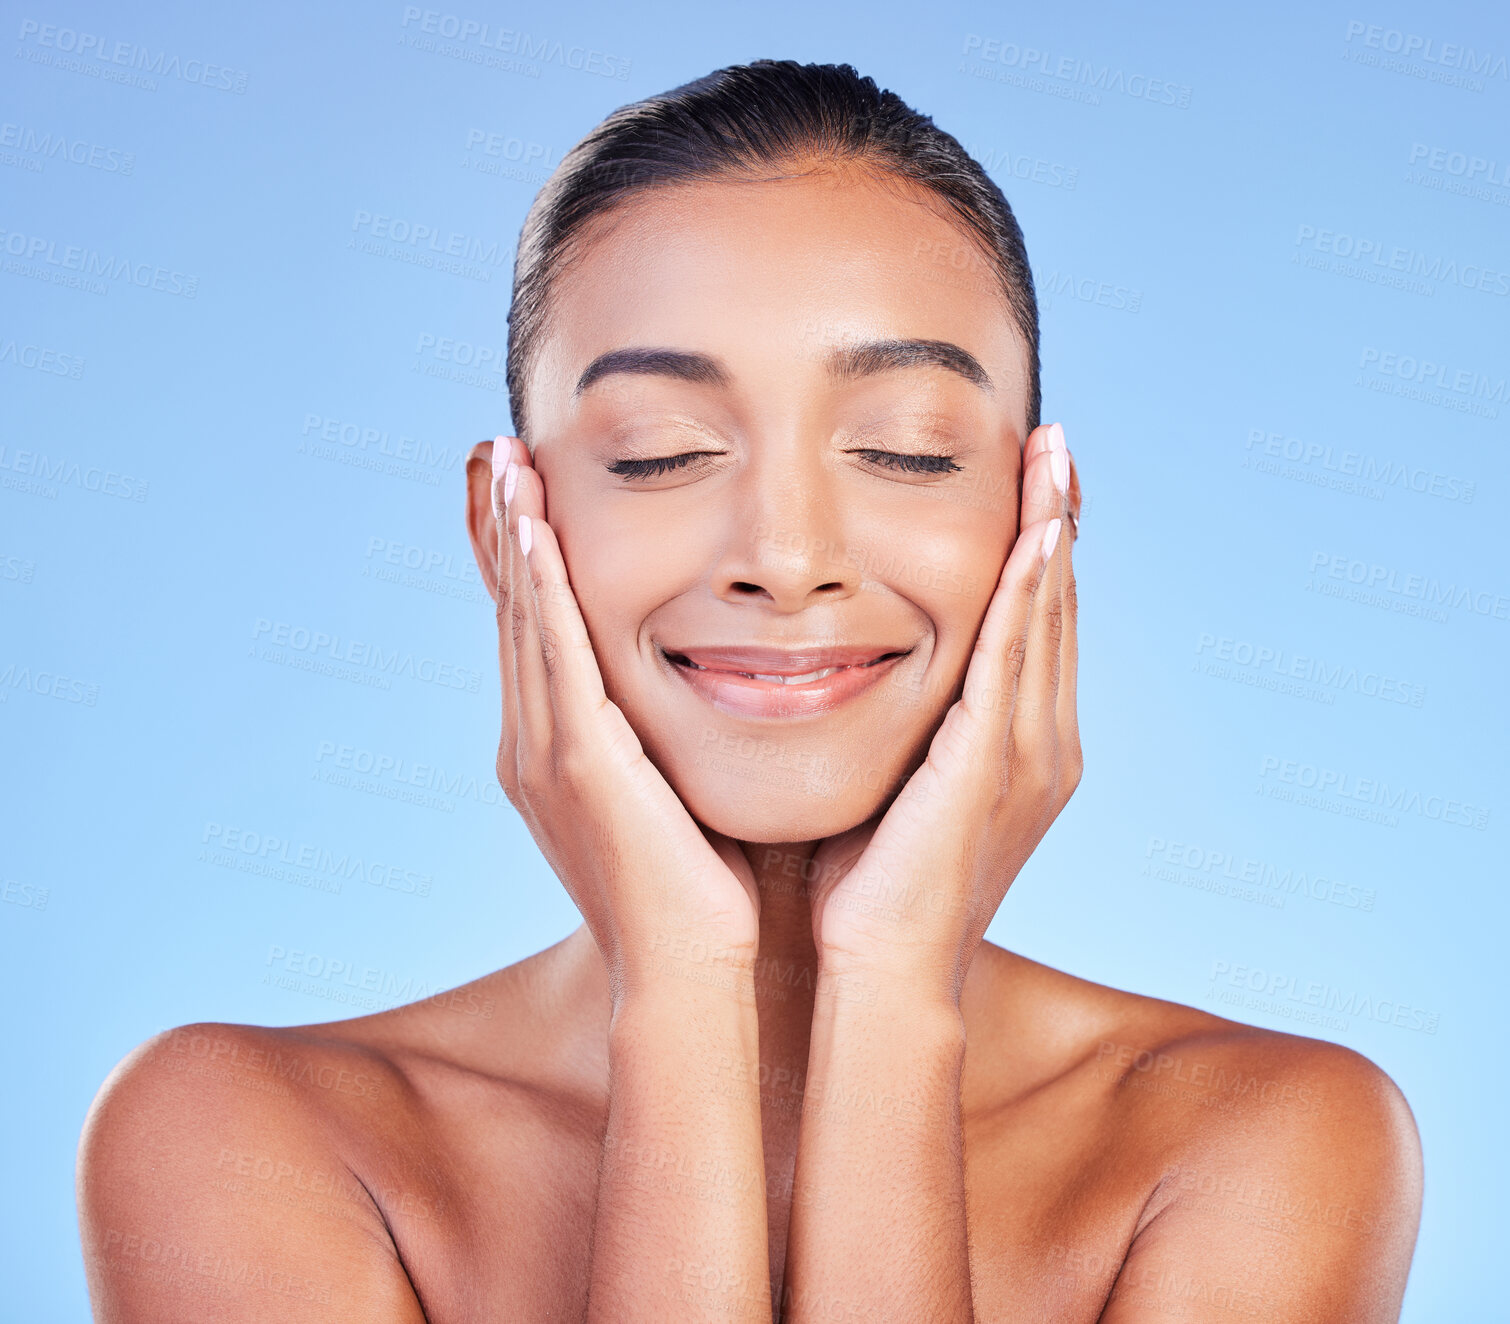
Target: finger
1066,721
1032,744
1067,715
1042,497
533,725
574,682
503,449
995,670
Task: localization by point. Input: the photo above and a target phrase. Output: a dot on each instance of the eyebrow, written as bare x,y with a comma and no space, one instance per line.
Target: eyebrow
846,363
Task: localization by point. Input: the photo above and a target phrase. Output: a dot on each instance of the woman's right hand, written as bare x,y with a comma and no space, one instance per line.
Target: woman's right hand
657,890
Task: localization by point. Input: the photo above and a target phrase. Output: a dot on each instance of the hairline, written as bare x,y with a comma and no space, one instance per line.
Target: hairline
604,222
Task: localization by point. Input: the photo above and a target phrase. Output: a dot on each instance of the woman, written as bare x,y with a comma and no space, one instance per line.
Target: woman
782,558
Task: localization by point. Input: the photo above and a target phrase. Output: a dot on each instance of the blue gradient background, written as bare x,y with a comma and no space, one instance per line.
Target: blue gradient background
178,722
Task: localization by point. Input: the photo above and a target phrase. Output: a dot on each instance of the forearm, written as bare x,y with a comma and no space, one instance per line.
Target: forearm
680,1227
878,1214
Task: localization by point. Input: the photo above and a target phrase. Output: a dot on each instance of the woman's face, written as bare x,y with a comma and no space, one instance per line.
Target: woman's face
764,327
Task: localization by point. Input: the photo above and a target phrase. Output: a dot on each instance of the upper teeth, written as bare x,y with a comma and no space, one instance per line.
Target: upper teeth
792,680
782,680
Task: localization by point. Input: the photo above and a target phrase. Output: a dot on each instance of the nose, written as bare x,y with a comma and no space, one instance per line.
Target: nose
786,545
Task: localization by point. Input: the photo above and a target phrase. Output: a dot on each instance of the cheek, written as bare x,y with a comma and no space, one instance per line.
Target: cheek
961,572
620,574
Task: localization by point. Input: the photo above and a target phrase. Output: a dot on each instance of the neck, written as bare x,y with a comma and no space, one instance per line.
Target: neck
786,970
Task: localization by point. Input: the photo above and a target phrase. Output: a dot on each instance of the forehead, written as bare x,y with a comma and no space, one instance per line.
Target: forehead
771,274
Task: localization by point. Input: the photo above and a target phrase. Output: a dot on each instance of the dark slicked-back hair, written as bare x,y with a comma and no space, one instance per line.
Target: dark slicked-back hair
743,122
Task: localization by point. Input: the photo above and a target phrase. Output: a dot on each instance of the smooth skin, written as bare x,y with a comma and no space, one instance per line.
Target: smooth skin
777,1073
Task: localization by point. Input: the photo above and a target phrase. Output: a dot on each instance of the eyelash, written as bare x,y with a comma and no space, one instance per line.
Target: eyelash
924,464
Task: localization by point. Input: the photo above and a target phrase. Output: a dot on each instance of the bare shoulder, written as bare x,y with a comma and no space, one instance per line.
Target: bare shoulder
1291,1182
215,1181
1284,1173
242,1172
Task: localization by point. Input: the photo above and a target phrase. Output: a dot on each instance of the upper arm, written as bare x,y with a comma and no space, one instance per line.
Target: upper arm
203,1200
1304,1208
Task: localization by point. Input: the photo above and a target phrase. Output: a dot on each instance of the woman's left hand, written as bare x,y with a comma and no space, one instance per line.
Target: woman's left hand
909,897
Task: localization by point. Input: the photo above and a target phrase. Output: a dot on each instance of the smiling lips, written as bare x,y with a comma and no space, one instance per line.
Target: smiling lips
781,682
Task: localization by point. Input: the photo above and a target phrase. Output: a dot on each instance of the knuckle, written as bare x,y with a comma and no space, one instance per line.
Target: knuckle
1028,772
508,776
1071,596
550,649
1072,765
575,766
536,773
1017,656
517,624
1054,616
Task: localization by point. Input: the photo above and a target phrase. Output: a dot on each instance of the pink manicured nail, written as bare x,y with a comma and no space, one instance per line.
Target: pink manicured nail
510,477
525,536
1056,437
1050,537
1059,469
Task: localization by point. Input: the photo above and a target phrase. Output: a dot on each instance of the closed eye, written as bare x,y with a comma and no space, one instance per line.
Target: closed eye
656,467
907,463
897,461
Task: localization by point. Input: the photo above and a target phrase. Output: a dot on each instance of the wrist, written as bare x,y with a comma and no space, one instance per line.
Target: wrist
681,1035
675,972
889,984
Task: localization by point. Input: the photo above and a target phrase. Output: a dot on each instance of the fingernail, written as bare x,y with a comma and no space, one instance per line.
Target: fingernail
510,477
525,536
1056,437
1059,468
1050,537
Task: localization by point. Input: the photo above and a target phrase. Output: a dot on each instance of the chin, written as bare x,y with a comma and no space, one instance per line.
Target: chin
776,806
